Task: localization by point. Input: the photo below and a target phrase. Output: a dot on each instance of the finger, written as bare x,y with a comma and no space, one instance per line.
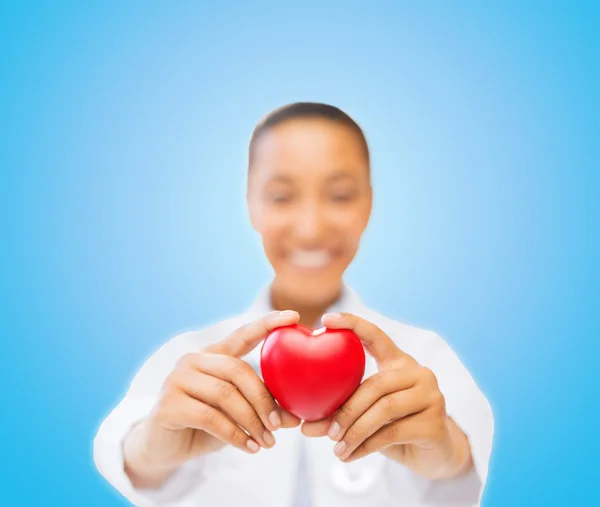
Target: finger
288,420
244,339
387,409
198,415
401,432
377,343
372,389
225,396
316,428
243,377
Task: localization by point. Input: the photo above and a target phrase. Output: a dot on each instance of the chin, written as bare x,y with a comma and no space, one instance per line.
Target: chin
311,287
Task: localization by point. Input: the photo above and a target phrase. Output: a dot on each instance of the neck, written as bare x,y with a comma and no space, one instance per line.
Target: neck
310,313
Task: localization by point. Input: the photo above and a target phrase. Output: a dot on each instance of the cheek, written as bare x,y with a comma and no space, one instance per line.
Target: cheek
273,231
350,226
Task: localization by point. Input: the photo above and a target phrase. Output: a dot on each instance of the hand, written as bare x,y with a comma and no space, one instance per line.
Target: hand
212,398
399,411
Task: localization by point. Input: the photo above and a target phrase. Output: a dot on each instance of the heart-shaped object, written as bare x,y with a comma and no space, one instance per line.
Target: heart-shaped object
312,373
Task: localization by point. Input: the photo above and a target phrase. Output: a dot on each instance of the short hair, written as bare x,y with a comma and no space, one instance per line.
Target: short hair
297,110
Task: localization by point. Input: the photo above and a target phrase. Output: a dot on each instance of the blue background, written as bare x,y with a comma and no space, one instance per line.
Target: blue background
124,134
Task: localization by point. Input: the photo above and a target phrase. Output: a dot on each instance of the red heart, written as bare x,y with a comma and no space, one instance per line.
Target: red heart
312,374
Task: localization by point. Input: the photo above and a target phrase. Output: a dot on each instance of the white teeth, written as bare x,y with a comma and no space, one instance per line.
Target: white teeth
310,258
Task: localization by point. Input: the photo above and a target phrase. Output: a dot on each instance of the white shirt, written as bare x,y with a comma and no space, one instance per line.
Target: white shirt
302,471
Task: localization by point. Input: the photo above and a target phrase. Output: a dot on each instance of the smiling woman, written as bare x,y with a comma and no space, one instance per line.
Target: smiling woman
415,430
309,198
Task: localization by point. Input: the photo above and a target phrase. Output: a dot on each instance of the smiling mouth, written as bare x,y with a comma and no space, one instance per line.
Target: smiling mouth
310,259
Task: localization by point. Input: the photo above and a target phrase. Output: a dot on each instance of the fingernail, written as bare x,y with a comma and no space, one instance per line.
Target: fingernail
333,316
269,438
274,419
334,431
253,446
287,314
339,448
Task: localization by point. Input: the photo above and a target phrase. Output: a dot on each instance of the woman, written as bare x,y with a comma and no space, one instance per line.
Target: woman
197,426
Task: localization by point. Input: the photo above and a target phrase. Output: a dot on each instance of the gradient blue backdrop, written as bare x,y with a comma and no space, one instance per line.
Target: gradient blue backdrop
124,130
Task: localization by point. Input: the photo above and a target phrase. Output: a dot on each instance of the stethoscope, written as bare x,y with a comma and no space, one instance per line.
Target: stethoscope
359,476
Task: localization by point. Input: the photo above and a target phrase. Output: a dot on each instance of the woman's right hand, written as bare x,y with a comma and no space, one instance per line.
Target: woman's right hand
211,399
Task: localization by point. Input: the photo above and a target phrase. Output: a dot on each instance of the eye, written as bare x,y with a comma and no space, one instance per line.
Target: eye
280,198
343,197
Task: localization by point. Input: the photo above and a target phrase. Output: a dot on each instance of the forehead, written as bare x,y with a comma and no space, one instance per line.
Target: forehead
309,145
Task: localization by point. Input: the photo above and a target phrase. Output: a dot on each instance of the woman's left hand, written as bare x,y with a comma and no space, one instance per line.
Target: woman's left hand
399,411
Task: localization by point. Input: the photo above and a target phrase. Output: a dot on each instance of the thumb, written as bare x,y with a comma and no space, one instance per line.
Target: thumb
244,339
378,344
316,428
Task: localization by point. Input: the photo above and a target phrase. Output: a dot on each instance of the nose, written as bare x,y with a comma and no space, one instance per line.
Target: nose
310,224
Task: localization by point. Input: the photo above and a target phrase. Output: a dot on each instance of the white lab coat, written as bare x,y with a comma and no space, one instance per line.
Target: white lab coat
300,470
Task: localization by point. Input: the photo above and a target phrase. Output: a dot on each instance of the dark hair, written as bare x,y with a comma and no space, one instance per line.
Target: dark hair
305,110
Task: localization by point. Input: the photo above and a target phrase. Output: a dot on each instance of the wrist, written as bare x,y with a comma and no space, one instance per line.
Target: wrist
462,460
450,458
458,456
140,464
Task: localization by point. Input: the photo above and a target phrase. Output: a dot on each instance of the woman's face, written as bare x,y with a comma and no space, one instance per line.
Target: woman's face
309,198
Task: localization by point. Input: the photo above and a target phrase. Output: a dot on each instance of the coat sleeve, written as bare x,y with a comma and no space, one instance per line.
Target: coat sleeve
137,403
467,405
470,409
